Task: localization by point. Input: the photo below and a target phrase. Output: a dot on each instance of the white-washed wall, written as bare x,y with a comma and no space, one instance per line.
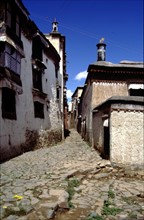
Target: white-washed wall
127,140
55,41
95,94
26,132
49,87
13,133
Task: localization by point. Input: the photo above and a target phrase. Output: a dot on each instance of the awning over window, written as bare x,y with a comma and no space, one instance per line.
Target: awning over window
11,85
39,96
11,42
38,63
43,40
136,86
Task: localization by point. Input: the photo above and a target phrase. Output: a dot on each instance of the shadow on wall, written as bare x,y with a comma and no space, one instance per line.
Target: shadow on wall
10,152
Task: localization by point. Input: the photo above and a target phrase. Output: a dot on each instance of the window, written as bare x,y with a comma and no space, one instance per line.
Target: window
38,110
57,93
8,104
37,67
37,79
136,92
56,72
136,89
2,56
12,20
37,48
12,59
17,26
8,15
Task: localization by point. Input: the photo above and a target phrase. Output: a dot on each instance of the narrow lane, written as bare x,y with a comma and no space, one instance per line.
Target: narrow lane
67,181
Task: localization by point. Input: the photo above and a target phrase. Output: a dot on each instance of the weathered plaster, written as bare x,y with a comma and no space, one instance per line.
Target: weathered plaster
18,136
127,140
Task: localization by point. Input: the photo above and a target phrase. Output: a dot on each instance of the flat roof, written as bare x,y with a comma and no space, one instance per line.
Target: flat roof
137,100
123,63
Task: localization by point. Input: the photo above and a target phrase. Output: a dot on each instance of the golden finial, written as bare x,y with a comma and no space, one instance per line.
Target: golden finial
102,40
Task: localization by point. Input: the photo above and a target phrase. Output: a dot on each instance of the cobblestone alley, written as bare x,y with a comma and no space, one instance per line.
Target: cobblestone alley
69,181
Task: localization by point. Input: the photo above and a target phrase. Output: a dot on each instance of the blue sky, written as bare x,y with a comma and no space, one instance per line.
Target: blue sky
84,23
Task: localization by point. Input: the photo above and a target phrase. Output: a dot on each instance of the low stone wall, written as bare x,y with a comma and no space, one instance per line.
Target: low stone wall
33,141
48,137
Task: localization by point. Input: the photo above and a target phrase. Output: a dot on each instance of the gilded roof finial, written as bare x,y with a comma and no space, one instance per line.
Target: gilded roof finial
102,40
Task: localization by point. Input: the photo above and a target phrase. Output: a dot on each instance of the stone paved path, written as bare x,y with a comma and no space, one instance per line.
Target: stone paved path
69,181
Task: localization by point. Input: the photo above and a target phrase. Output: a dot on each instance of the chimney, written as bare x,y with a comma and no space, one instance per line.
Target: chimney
101,50
55,26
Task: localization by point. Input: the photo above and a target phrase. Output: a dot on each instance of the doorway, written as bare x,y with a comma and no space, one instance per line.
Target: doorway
106,151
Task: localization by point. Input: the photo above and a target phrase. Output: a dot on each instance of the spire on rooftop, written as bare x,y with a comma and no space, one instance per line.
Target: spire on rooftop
55,26
101,50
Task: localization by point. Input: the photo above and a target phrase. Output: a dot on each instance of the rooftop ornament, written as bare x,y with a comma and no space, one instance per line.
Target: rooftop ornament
101,40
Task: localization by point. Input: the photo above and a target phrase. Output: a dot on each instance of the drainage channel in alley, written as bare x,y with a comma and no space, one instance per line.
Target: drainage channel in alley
109,194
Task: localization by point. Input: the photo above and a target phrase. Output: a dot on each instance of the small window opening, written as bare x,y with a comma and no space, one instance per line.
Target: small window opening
38,110
56,73
8,104
37,49
136,92
37,79
57,93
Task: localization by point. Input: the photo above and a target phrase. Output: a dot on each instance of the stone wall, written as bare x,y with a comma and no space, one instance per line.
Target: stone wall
118,130
101,91
33,141
98,132
47,138
104,90
127,136
86,112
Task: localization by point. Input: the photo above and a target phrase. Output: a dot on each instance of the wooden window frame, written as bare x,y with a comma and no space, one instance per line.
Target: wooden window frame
8,104
12,59
38,110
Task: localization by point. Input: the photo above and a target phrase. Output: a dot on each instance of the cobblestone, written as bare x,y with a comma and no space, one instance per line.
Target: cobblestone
27,183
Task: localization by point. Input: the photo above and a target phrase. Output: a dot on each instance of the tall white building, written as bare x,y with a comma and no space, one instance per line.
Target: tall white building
31,81
59,42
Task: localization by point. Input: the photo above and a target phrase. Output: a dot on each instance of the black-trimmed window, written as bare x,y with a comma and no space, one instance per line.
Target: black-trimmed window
37,48
56,72
136,92
8,104
57,93
38,109
37,79
12,59
8,15
13,20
